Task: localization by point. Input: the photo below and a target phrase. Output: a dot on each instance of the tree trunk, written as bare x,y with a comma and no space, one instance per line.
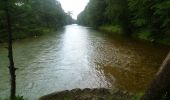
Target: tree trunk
10,53
160,86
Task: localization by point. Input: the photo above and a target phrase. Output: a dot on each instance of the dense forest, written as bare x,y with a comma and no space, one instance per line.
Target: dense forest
32,17
145,19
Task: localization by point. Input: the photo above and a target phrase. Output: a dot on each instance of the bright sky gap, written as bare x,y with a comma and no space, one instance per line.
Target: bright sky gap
74,6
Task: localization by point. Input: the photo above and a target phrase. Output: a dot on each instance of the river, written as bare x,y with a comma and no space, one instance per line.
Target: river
80,57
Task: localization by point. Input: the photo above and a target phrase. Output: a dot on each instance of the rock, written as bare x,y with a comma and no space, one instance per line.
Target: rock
76,90
88,94
86,90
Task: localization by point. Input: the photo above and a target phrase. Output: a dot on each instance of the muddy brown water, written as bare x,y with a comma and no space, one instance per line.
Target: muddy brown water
80,57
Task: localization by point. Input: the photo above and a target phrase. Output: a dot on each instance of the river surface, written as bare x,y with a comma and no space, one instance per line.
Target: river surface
80,57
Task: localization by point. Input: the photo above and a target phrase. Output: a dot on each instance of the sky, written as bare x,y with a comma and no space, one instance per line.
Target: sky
75,6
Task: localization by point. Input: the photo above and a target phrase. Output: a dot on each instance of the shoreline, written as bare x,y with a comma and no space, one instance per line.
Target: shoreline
143,35
90,94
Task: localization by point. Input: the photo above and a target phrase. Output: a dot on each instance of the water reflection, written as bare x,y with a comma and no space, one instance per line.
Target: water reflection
80,57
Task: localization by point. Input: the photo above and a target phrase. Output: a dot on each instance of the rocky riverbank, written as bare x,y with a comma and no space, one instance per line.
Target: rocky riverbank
89,94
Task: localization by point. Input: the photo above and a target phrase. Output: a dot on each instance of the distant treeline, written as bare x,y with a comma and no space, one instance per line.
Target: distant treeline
32,17
146,19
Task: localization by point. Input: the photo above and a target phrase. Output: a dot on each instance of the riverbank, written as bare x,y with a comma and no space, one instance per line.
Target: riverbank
25,34
91,94
80,57
145,35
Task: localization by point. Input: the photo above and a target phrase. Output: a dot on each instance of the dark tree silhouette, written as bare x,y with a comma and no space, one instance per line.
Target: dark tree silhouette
10,53
160,86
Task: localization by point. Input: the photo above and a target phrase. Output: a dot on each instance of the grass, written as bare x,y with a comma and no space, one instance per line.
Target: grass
17,98
111,29
21,34
143,34
30,33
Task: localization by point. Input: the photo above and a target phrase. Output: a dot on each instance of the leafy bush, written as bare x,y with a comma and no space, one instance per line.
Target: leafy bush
145,35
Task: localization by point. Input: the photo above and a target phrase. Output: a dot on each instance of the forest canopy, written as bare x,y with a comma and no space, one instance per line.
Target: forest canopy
32,17
147,19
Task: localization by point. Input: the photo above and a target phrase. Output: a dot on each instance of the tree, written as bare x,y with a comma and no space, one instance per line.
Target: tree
160,86
102,12
133,16
19,18
93,15
10,52
33,18
117,12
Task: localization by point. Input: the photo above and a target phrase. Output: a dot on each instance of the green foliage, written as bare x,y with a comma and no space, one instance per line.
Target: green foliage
111,29
31,17
145,35
20,98
102,12
93,14
138,96
133,16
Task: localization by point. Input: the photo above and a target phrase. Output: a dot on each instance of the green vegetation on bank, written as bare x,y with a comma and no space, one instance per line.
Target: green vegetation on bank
32,17
143,19
111,29
17,98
